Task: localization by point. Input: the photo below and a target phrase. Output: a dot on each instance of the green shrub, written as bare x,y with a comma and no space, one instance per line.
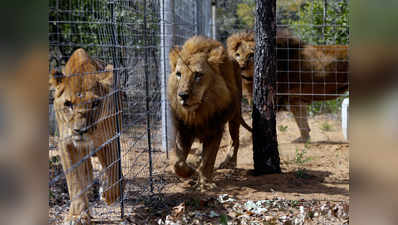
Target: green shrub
312,27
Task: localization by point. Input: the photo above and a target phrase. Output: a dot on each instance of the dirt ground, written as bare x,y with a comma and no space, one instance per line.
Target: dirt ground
324,177
326,173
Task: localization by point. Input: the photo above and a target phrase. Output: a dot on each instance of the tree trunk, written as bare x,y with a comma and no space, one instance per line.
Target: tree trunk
265,144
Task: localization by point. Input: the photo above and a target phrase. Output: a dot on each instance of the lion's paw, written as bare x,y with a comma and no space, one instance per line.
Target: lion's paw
84,219
301,140
183,170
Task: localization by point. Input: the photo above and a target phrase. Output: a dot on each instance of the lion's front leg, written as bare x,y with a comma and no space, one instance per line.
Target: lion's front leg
77,179
109,159
183,146
209,154
231,159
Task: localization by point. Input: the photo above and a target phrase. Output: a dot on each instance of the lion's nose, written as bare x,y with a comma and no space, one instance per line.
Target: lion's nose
183,95
251,56
79,131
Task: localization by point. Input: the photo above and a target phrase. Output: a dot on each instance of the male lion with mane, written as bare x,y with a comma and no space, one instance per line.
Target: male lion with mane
204,93
85,114
305,73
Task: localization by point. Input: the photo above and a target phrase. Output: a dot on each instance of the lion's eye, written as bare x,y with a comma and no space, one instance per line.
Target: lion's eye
178,75
251,56
198,76
96,103
237,55
68,104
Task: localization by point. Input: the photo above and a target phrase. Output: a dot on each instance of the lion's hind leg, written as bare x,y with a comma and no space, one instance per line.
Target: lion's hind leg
299,111
109,159
231,159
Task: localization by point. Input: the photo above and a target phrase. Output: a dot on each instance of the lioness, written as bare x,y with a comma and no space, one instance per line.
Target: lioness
204,93
305,73
85,114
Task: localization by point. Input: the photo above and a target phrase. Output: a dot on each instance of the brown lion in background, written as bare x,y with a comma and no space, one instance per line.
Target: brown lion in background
204,93
305,73
85,114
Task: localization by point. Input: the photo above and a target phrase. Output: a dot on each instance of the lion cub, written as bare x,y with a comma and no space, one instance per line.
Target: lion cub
204,93
86,120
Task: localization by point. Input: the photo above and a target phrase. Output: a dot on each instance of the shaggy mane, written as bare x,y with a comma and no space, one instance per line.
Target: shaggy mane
198,44
284,38
234,41
222,90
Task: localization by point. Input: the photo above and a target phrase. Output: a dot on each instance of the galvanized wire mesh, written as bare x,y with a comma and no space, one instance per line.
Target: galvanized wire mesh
312,74
134,37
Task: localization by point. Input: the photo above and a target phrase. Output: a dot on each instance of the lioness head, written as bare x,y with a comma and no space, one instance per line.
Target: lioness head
194,69
79,96
241,48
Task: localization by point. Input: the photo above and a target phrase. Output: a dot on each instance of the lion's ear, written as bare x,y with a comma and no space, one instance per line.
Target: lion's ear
217,55
173,56
106,77
56,78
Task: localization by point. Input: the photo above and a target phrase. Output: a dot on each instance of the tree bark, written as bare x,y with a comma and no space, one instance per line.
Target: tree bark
265,144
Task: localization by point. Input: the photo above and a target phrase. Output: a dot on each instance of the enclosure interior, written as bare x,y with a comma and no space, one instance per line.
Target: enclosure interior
136,36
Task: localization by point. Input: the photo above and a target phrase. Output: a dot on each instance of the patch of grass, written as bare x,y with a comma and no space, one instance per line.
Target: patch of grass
282,128
320,107
300,173
326,127
54,160
294,203
300,160
224,219
51,195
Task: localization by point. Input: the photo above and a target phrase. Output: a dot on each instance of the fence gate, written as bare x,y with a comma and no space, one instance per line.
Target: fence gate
135,37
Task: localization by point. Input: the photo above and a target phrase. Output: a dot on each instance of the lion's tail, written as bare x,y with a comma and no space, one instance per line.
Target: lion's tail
245,125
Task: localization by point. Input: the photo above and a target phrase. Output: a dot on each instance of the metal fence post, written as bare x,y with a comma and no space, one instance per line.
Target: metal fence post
167,33
213,16
148,114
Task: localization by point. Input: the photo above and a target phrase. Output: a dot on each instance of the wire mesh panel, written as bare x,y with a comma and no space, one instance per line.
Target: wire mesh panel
120,47
312,56
87,60
312,59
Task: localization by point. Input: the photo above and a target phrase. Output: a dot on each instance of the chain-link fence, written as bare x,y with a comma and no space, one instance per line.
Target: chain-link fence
130,40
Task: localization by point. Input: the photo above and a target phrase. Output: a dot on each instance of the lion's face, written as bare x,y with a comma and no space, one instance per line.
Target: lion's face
79,98
193,80
78,109
241,49
194,71
244,55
